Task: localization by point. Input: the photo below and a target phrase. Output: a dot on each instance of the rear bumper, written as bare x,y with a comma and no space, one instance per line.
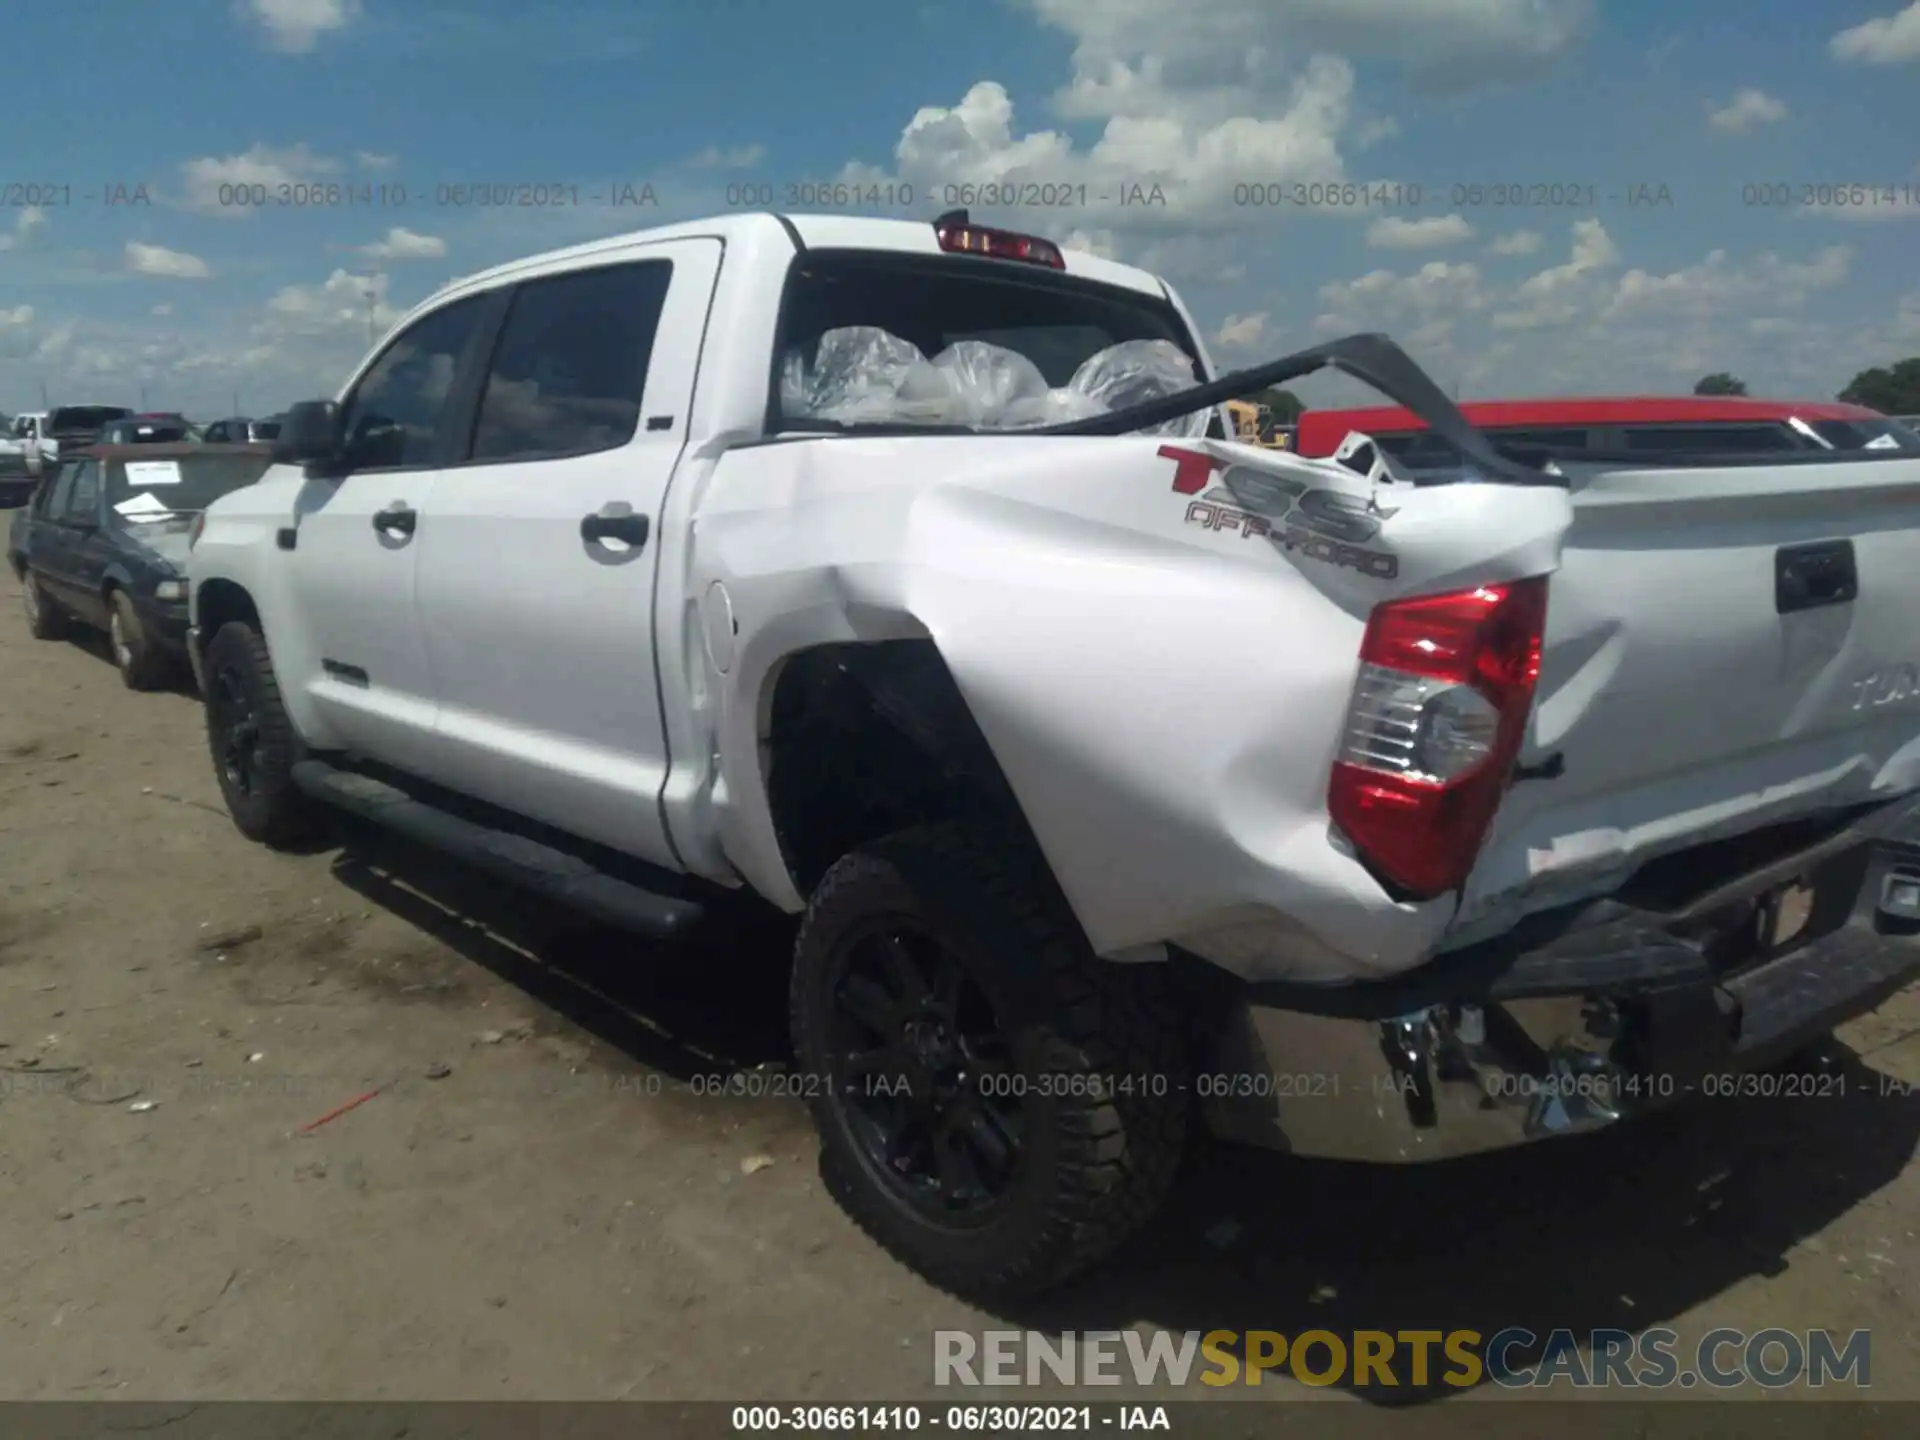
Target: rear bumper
1578,1018
166,624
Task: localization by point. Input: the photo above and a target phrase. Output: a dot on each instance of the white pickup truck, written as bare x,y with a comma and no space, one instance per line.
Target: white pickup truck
32,443
21,457
1131,781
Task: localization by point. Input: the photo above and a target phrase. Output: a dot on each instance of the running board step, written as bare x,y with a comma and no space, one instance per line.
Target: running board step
514,858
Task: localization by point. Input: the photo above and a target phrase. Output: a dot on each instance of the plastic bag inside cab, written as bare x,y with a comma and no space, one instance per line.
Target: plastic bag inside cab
862,375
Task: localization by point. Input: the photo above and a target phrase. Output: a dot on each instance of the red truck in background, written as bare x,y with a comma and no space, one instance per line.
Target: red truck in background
1617,425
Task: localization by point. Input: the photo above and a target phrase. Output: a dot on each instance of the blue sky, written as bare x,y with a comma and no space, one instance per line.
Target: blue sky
192,298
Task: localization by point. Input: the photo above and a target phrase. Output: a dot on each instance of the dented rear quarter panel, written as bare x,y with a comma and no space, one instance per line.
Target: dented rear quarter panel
1161,676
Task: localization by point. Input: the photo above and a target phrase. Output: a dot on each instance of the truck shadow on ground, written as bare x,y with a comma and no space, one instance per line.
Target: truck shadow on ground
1625,1229
717,1000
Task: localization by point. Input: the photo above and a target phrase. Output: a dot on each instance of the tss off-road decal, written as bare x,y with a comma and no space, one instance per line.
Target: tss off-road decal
1322,525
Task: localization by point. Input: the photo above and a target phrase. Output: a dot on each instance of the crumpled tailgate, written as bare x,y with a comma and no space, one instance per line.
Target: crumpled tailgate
1726,647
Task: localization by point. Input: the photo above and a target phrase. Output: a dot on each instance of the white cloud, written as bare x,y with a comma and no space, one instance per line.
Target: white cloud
295,26
343,304
1397,233
18,338
742,157
1200,99
1201,64
367,160
165,308
404,244
1520,242
1718,286
1242,332
170,264
1747,111
1436,286
210,181
1556,295
1375,132
1593,324
1195,167
301,343
1094,242
1889,40
1422,310
30,222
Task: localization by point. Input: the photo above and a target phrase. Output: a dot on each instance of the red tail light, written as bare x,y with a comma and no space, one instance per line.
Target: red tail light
962,236
1438,712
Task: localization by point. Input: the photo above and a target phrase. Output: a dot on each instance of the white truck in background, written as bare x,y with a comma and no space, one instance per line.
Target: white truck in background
20,452
33,442
1127,779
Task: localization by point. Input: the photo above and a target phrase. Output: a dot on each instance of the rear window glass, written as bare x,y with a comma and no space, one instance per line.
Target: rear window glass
1057,322
179,484
1867,435
85,417
1423,450
149,432
1571,438
1711,439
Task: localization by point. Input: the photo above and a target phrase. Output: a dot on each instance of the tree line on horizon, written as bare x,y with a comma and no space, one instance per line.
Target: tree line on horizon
1891,389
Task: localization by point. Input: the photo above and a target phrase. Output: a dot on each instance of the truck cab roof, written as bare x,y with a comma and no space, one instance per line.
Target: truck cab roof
802,232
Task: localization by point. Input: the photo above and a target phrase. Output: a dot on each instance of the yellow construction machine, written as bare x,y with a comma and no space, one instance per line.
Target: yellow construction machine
1253,425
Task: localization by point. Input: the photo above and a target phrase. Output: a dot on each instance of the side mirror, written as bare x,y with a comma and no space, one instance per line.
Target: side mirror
311,434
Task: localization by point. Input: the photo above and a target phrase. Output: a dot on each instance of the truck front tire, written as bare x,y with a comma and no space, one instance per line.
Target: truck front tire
252,739
997,1108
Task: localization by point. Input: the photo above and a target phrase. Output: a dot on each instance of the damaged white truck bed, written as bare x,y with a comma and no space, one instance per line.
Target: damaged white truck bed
1125,777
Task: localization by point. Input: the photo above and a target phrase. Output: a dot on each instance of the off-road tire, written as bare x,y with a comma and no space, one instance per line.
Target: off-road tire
1094,1168
270,810
142,665
45,619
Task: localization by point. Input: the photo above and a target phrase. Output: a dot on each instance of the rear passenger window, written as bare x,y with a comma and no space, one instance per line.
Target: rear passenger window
570,368
53,499
83,502
1711,439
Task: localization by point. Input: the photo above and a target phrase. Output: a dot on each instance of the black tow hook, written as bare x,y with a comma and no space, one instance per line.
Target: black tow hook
1404,1042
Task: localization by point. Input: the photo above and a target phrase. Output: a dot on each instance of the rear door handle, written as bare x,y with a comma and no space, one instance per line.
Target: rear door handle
615,522
396,519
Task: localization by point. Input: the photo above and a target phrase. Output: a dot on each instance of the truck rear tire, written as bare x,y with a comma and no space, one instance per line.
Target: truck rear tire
252,739
997,1108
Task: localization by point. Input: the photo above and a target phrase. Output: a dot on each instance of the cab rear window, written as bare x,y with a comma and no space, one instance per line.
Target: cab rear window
1711,439
903,308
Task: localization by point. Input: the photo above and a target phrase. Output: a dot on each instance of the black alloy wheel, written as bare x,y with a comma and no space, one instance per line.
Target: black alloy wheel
928,1075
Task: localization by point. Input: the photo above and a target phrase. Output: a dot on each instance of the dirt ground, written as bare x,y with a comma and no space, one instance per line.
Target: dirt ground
542,1205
